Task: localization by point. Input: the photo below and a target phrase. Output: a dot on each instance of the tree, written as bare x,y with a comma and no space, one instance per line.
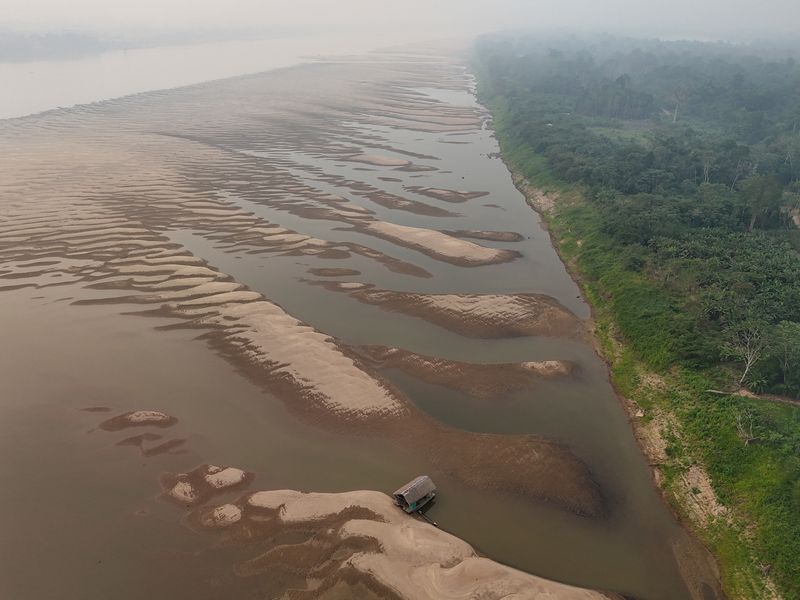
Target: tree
795,118
679,95
763,195
786,348
743,167
790,150
746,343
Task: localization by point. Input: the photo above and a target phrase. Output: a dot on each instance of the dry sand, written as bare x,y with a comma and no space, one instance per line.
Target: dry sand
438,245
360,537
267,336
202,483
138,418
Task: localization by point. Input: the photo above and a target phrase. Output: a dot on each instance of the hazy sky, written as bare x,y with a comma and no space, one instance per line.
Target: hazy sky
664,17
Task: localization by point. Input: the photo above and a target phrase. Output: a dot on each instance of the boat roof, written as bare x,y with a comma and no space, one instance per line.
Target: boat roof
416,489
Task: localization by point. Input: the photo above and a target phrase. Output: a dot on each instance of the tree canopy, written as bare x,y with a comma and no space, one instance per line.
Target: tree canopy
691,154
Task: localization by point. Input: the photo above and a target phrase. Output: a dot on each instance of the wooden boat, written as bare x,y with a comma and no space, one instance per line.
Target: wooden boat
415,494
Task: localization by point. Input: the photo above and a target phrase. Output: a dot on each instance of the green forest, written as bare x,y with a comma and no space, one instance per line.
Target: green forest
686,156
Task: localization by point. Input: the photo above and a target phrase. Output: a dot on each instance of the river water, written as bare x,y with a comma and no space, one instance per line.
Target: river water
40,85
83,518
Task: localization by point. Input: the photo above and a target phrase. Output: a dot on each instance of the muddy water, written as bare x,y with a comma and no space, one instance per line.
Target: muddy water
260,152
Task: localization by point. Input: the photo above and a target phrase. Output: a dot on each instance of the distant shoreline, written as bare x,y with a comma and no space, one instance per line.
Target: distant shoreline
47,84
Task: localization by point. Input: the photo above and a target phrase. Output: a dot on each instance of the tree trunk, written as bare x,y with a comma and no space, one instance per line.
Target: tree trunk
747,366
735,177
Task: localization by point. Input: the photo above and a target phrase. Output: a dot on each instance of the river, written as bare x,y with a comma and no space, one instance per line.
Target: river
281,184
40,85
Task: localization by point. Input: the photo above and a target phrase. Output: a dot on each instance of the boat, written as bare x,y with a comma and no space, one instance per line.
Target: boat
415,494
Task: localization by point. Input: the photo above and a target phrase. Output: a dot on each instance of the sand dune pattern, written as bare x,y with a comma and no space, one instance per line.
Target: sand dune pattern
93,200
297,545
321,382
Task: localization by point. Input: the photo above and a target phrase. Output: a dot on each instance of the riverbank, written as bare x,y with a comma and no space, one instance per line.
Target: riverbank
664,408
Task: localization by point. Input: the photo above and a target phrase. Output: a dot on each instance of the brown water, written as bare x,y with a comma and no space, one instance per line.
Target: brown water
82,518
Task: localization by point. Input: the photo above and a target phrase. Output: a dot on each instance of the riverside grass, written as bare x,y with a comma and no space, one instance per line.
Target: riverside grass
757,538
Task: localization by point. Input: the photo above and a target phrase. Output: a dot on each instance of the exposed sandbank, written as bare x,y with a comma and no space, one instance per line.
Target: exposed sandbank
333,272
473,315
360,537
202,483
438,244
446,195
479,380
138,418
495,236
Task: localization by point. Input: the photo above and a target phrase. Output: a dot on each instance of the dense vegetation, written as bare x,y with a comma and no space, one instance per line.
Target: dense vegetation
686,157
691,154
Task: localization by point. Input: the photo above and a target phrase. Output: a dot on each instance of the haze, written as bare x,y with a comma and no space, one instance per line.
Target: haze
712,18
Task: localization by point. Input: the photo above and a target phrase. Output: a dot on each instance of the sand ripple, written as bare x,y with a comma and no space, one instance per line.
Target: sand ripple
475,315
488,381
106,201
361,537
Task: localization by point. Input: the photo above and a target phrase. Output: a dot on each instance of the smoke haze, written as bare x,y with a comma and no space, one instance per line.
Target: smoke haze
708,19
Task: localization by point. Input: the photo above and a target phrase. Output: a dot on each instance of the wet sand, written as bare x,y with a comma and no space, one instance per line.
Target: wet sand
473,315
481,380
155,254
